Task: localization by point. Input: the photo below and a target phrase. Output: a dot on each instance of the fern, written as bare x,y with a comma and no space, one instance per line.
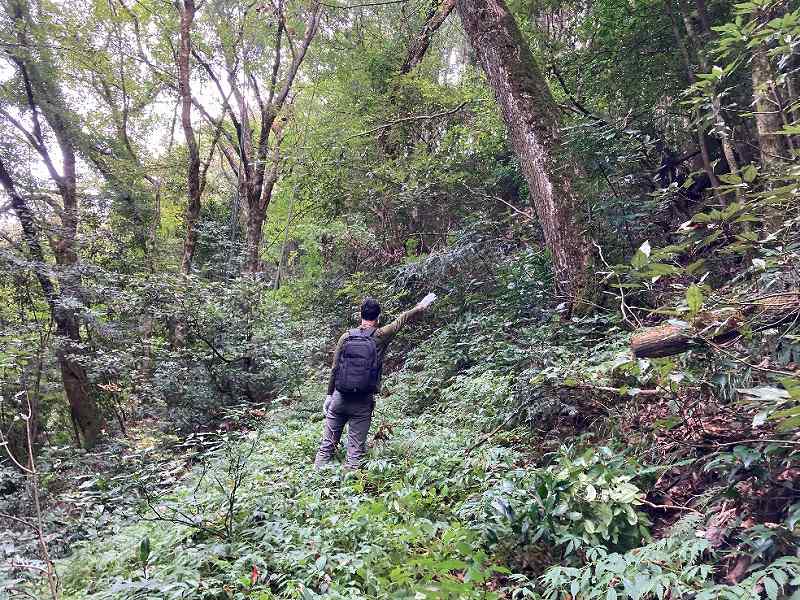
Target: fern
673,568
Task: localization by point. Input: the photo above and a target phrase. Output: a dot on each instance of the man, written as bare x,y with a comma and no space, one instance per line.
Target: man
360,351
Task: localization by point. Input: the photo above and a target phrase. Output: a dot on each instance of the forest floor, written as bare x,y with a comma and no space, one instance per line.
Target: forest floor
480,482
254,507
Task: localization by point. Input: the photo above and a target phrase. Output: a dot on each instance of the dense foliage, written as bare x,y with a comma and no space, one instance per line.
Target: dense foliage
197,197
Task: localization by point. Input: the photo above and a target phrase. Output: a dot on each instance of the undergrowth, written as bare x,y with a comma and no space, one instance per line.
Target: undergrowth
516,452
471,490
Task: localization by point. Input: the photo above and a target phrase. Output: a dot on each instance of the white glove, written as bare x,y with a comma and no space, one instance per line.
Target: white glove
326,405
427,300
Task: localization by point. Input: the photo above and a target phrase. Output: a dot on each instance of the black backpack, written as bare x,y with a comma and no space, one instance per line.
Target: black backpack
358,367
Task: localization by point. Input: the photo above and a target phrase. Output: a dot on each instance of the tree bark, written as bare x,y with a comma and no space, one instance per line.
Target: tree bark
255,226
261,164
84,411
258,206
187,12
419,46
669,340
531,116
767,112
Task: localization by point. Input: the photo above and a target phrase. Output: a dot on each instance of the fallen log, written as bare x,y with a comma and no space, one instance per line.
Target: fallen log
664,340
669,340
717,327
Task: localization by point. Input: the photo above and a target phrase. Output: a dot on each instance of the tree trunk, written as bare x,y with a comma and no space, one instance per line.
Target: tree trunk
419,46
85,412
42,95
727,145
187,12
702,13
669,340
702,137
257,214
255,225
531,116
767,112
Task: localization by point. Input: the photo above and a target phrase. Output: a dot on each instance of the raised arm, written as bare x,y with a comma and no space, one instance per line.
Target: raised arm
389,331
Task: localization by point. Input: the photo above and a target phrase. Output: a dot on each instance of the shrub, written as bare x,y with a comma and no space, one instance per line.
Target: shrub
579,502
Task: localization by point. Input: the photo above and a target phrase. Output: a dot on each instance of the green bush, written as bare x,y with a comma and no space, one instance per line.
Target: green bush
680,565
580,501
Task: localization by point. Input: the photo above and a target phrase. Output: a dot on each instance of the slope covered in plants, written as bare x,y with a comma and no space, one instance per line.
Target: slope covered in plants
604,400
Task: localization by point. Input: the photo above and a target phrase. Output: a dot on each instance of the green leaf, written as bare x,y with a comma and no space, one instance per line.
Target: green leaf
786,412
789,424
639,259
702,218
144,550
656,269
749,173
793,516
792,385
591,492
695,266
770,587
731,210
730,179
746,218
747,455
759,419
694,299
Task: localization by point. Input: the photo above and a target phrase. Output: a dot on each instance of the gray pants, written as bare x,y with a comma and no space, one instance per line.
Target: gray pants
356,412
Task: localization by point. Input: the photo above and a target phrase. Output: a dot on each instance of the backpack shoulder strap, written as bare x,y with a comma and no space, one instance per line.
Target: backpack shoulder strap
358,332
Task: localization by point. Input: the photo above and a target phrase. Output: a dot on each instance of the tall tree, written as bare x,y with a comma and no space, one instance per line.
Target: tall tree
52,60
723,129
253,151
532,118
187,9
702,135
43,101
766,109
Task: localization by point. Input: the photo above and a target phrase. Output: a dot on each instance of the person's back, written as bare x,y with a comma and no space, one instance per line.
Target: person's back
355,378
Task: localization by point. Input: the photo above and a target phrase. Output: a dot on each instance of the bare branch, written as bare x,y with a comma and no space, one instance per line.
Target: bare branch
412,118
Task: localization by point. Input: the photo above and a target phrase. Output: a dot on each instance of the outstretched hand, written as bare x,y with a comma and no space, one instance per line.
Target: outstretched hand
427,301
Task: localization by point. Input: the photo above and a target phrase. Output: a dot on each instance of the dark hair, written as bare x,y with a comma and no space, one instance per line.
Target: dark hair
370,309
